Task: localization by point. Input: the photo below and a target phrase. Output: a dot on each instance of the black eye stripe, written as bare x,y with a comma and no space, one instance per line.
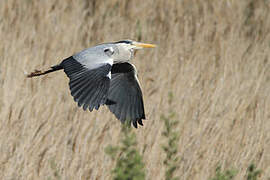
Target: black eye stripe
126,42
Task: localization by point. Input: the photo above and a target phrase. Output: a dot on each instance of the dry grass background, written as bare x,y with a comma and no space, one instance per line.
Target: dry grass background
213,55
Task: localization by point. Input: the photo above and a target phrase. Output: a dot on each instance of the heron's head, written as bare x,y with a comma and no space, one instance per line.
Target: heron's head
126,48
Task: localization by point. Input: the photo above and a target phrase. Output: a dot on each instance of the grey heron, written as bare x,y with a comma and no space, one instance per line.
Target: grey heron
103,75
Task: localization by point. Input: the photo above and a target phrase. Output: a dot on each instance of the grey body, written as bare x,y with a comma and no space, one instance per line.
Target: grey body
103,75
93,57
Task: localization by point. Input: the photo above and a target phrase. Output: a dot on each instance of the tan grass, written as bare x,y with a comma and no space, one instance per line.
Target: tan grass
213,55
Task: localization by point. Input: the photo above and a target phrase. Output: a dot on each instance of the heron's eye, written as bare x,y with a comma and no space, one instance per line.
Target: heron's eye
109,51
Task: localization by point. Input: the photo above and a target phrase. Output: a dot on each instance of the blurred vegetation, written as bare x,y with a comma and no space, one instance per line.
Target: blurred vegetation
171,161
224,175
129,163
55,170
253,173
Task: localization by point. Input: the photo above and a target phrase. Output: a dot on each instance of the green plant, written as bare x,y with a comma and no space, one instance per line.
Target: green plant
129,164
253,173
227,175
171,147
55,169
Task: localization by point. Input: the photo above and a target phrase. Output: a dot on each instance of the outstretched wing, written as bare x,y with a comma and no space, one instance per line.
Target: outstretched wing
89,80
125,96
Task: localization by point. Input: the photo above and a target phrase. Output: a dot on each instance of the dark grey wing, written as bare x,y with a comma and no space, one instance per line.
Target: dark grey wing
125,99
89,87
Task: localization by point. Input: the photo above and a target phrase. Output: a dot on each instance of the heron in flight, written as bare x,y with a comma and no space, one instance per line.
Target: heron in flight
103,75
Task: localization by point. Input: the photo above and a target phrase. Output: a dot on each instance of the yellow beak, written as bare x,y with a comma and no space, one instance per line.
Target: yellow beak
144,45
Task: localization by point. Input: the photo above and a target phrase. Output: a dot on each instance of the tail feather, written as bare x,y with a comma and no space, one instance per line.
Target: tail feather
40,72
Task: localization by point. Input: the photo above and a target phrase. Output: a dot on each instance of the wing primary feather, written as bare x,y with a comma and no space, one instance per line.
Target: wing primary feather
92,99
136,109
76,93
78,85
101,96
96,96
135,124
88,97
85,94
123,116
